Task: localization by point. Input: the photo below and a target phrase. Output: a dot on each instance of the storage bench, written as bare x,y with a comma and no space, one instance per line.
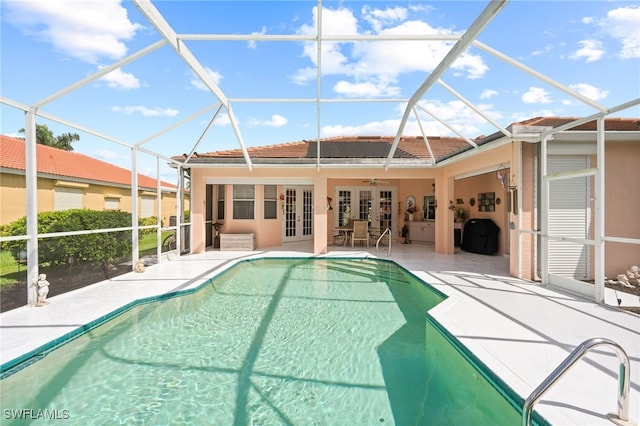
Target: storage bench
237,241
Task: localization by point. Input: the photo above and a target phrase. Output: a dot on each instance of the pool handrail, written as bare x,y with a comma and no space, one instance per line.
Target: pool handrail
624,374
387,230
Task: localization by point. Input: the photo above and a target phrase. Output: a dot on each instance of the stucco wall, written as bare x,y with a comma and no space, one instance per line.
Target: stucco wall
14,198
622,205
416,187
487,182
528,221
416,182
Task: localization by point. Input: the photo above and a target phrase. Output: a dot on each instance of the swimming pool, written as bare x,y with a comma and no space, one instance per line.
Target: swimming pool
270,341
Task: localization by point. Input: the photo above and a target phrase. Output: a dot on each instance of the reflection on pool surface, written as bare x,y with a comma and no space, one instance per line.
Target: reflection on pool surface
270,341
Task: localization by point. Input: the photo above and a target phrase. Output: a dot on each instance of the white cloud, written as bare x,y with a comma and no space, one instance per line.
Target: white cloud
623,24
383,60
76,27
460,116
368,89
455,113
379,18
276,121
591,50
340,21
546,49
146,112
253,43
589,91
536,95
383,128
488,94
522,116
117,79
198,84
222,120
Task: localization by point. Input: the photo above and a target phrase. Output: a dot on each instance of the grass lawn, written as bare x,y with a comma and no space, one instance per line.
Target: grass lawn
12,272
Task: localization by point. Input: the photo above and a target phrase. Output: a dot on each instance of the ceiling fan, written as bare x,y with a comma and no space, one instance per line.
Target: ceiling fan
374,181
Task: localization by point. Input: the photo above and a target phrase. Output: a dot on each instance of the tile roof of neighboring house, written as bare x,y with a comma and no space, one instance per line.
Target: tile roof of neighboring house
409,147
66,164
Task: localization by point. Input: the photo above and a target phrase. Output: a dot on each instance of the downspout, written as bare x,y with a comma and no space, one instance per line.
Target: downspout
31,181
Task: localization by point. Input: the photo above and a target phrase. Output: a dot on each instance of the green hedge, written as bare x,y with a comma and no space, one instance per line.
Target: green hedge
102,247
147,221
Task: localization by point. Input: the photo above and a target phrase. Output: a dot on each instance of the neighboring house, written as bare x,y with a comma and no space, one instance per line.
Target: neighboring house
68,180
290,193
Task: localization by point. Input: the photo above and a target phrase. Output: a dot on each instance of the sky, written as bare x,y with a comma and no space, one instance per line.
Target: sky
589,47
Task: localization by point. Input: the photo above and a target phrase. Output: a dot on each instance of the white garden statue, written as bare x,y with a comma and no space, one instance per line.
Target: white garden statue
42,289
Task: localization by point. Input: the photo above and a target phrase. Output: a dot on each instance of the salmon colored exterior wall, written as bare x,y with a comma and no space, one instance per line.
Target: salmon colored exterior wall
487,182
514,159
417,187
14,198
416,182
622,205
528,221
448,190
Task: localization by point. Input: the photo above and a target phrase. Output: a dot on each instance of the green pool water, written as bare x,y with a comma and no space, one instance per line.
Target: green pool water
271,341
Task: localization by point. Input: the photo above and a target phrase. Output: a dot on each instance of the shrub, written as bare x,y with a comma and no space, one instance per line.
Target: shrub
102,247
147,221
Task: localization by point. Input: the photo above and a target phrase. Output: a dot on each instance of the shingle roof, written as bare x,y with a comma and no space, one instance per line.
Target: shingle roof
66,164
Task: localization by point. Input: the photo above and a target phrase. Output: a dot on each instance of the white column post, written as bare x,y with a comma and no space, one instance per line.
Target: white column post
599,212
544,210
134,207
31,181
179,209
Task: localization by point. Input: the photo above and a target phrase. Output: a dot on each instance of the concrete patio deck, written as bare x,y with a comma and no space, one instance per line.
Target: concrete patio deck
519,329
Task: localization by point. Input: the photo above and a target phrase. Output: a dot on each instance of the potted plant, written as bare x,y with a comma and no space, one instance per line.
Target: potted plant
459,214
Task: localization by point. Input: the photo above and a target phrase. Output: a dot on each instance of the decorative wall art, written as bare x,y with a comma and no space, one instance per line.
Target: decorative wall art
486,201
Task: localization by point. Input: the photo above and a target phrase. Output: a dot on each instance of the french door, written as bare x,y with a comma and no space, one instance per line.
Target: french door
297,212
373,204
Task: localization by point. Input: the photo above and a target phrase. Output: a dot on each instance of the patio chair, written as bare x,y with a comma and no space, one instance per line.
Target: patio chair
360,232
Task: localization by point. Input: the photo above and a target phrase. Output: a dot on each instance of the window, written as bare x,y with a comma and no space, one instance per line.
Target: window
111,203
66,198
221,190
147,205
243,201
270,201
